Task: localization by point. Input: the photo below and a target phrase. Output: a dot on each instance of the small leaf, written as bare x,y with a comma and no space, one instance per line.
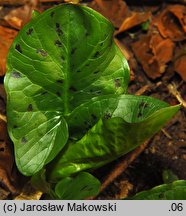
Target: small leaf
82,186
172,191
132,120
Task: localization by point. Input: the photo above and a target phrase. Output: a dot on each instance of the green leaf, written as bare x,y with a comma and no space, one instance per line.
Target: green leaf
133,120
128,107
172,191
79,187
61,59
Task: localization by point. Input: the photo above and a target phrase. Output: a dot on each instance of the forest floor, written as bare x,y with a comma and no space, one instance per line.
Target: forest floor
152,36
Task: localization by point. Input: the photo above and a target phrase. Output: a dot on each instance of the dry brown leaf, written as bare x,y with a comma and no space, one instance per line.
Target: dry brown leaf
6,37
180,66
6,160
161,48
114,10
144,55
153,52
18,17
134,19
171,22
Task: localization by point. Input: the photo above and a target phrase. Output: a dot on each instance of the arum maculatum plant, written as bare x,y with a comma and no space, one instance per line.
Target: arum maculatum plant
67,103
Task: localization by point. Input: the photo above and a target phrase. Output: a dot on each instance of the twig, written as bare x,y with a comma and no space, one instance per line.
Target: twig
142,90
173,90
125,161
3,118
166,133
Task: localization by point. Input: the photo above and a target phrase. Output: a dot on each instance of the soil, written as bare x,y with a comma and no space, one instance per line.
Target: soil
166,150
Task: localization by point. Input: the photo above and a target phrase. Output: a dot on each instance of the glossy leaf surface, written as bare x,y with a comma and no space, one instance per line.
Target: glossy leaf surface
61,59
133,120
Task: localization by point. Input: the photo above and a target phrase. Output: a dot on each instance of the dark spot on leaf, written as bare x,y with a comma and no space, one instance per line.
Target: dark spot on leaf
94,117
15,126
72,88
29,32
58,30
117,83
96,72
88,125
42,52
18,48
87,65
29,108
139,114
52,14
24,140
87,34
143,105
78,71
58,43
73,50
91,90
58,94
107,115
96,54
98,92
59,81
44,93
86,187
63,58
16,74
101,44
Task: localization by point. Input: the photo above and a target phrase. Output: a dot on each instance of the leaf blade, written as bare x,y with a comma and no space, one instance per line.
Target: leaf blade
114,137
79,187
57,61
